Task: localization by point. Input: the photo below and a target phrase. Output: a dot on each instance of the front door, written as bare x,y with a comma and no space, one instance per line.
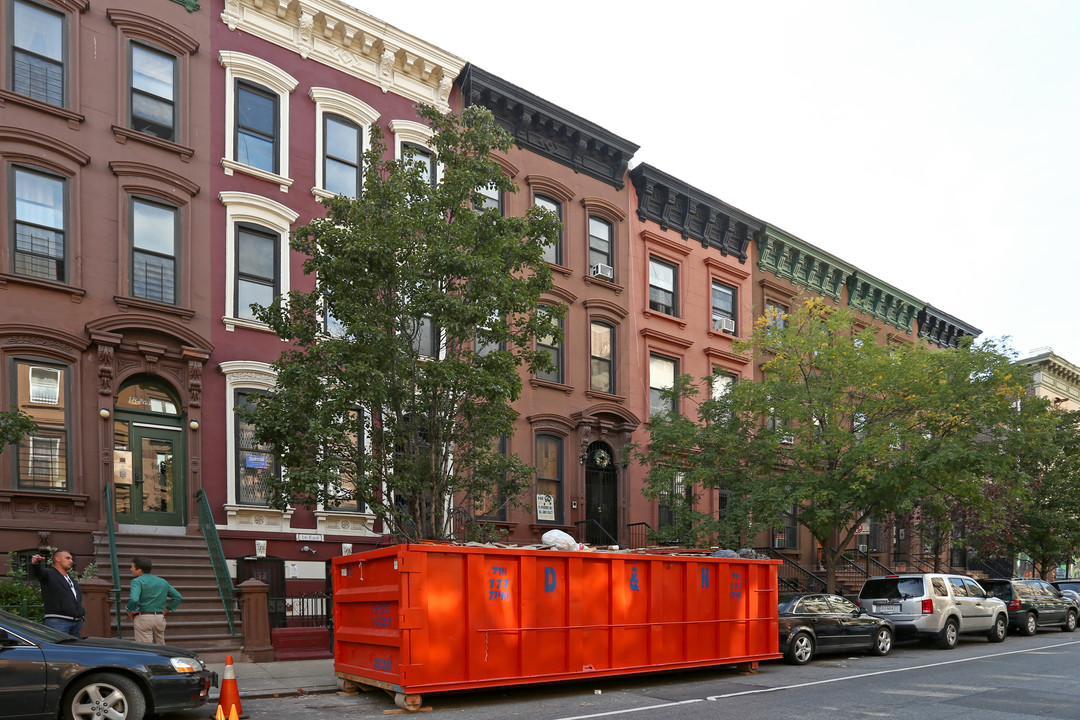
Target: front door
148,460
601,496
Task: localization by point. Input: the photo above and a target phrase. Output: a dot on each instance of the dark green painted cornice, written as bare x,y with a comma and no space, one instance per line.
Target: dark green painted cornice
790,258
882,301
943,329
191,5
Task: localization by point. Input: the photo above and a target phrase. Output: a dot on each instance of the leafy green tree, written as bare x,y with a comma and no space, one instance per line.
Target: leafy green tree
842,427
14,426
404,360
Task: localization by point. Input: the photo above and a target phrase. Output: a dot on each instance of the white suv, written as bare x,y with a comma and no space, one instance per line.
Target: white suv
938,606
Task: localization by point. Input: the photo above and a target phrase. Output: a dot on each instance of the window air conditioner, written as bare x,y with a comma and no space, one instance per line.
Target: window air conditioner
604,271
787,439
862,548
723,324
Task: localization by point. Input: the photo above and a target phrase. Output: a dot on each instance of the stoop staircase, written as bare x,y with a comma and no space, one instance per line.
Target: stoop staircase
200,623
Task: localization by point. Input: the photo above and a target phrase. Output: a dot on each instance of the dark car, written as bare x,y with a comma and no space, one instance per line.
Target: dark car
46,673
813,623
1033,604
1069,587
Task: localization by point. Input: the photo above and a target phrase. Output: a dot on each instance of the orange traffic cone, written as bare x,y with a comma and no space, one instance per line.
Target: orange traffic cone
229,699
220,714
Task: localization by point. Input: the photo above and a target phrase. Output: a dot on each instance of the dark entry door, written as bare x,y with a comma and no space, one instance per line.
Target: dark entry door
269,570
601,496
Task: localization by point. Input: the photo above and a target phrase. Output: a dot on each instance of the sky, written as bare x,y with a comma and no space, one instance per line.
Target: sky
932,143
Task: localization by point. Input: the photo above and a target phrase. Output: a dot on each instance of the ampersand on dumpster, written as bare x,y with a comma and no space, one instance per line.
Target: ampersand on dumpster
633,579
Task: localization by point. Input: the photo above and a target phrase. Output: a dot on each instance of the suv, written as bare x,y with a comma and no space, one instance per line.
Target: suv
1069,587
935,605
1033,603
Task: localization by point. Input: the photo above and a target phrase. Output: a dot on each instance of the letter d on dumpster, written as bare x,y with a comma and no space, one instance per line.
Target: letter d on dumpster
549,579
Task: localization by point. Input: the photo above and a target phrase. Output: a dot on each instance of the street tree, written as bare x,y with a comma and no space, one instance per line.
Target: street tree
840,430
396,387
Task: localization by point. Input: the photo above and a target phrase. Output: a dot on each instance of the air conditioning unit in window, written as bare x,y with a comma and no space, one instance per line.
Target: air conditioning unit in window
723,324
602,270
862,548
786,439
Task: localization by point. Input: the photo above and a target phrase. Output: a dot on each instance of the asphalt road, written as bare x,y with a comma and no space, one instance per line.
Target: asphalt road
1032,677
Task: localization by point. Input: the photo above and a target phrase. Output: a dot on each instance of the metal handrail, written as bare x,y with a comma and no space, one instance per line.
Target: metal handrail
590,523
803,580
464,521
217,559
919,563
110,524
867,558
634,530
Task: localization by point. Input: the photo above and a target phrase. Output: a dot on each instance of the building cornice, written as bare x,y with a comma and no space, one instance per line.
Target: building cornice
353,42
672,204
882,301
943,329
1058,368
546,129
799,262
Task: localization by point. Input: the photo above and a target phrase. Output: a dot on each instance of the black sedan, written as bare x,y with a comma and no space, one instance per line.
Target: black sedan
817,623
46,673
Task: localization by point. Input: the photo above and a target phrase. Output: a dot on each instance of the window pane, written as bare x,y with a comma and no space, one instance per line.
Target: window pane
153,277
661,287
552,253
723,300
42,457
37,68
248,293
601,340
549,345
39,199
254,150
39,31
342,140
256,118
548,478
152,72
662,373
255,464
44,386
341,178
599,242
601,369
255,254
154,227
39,225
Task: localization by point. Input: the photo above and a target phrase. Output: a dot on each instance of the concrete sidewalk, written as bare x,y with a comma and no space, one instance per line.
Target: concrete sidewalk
278,679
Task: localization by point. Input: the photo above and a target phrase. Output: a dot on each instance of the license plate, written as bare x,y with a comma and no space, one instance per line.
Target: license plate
887,607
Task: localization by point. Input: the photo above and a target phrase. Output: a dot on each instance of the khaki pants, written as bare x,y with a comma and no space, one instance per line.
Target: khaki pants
149,628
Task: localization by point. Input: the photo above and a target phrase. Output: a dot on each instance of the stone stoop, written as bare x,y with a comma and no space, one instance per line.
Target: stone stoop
200,623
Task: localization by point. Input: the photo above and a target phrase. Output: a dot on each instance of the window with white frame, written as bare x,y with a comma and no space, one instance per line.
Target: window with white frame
154,234
255,464
39,224
663,283
257,264
152,100
257,118
343,123
723,308
41,391
38,52
553,252
662,374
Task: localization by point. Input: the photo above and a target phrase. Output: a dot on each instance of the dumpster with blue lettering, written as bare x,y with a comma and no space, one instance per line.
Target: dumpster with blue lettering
415,619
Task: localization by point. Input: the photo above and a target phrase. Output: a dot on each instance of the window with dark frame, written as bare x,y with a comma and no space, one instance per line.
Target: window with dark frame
600,232
493,199
423,157
662,374
41,391
40,224
550,345
342,153
602,357
256,127
549,477
776,314
426,339
786,537
663,281
38,53
154,232
680,492
723,307
255,464
346,500
257,264
552,253
152,103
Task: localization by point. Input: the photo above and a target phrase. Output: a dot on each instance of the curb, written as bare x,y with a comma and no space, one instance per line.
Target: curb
291,692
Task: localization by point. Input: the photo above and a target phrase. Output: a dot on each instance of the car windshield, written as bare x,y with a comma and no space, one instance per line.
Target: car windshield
22,626
892,588
998,588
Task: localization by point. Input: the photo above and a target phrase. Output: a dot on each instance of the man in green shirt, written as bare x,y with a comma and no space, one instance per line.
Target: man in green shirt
151,598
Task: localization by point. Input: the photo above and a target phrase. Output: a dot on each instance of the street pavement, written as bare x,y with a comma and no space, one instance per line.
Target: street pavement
286,678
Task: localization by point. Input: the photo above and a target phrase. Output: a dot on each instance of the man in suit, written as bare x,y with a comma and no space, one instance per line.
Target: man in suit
60,592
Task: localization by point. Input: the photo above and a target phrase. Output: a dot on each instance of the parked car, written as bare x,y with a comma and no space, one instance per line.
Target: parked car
935,605
1069,587
816,623
1033,604
47,673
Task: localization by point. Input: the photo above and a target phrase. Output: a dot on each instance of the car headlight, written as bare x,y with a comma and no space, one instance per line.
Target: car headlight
185,665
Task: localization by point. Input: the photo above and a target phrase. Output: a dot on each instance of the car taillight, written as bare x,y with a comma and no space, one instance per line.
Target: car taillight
927,607
1014,605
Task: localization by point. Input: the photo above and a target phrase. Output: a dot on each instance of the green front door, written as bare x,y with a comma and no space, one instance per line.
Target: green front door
148,466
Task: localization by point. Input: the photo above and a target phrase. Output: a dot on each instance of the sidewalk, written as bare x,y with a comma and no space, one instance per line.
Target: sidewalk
278,679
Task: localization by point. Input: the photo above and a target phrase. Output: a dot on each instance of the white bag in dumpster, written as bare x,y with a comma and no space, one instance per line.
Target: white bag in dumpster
559,540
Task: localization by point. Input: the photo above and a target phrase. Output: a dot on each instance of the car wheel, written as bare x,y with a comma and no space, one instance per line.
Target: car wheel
800,649
882,642
1031,624
104,695
1070,622
947,638
997,633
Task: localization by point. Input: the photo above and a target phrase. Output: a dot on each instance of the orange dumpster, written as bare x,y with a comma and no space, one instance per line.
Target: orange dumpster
429,618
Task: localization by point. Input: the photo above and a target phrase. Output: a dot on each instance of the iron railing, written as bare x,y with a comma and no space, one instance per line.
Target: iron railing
26,609
793,576
110,523
867,561
217,559
637,534
468,528
593,533
311,609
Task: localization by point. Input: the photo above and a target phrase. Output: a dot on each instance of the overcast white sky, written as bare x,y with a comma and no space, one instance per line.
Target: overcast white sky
932,143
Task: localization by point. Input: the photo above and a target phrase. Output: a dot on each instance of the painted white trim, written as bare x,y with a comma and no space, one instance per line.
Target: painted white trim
335,102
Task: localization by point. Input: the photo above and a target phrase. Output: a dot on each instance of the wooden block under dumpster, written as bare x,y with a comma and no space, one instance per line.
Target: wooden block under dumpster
427,618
